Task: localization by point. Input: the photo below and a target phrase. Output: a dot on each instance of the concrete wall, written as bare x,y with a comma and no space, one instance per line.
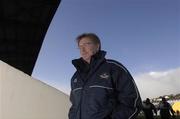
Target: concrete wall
22,97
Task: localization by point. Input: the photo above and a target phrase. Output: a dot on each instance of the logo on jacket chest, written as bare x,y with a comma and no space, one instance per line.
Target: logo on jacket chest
104,76
75,80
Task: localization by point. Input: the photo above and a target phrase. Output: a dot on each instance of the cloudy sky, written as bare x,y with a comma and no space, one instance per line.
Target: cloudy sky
144,35
155,84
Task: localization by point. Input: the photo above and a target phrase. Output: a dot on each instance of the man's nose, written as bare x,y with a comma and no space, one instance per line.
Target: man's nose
82,48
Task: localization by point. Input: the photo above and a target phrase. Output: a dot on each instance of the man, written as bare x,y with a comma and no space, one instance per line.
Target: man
148,109
101,88
165,109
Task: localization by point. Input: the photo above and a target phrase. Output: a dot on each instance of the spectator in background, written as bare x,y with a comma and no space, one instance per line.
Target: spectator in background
165,109
148,109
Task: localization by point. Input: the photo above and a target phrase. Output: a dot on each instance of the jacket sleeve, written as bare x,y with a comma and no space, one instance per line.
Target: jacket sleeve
127,95
72,111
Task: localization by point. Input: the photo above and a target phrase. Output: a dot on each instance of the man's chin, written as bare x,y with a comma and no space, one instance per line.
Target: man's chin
86,59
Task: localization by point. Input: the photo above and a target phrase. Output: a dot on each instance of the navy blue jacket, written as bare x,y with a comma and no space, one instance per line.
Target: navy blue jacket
103,90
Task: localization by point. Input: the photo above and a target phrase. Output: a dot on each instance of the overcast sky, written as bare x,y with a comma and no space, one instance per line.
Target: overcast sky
144,35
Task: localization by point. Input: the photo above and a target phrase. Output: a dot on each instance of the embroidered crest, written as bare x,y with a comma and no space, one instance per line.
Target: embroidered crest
104,76
75,80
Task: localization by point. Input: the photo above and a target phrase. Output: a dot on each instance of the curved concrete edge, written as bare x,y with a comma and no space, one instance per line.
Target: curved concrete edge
23,97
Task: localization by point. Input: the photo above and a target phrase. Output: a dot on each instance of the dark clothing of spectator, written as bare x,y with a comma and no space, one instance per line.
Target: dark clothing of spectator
148,109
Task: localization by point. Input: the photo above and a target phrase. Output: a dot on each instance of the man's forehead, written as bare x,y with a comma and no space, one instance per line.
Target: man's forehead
85,39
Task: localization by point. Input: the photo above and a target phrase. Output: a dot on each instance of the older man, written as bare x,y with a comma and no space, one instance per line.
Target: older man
101,88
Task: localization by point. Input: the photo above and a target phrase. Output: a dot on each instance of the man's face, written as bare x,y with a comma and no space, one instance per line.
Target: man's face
87,48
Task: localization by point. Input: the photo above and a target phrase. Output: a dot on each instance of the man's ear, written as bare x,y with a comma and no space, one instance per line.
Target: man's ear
98,47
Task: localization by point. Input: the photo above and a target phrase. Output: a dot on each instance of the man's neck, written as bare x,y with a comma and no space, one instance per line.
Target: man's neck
88,61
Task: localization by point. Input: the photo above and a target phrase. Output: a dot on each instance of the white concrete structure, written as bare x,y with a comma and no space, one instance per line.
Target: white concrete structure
22,97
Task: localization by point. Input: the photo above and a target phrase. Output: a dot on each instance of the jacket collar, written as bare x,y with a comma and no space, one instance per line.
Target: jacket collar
82,65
